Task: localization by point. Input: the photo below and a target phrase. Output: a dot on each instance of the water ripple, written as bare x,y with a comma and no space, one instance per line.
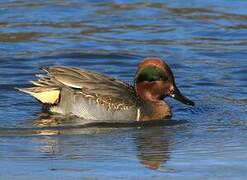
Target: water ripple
205,44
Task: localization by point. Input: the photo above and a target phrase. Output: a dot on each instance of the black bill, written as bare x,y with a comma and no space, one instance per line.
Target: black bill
176,94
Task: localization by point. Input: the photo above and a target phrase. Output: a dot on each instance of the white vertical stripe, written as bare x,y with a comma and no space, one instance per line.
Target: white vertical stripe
138,113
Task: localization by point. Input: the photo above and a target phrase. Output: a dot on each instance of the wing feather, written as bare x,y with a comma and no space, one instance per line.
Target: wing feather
94,82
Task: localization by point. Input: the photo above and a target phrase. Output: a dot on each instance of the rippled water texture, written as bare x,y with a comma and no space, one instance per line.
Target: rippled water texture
205,43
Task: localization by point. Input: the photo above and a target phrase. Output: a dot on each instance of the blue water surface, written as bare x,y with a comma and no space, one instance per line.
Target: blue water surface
205,44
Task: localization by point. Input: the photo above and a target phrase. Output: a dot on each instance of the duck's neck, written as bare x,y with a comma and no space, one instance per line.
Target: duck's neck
155,111
153,105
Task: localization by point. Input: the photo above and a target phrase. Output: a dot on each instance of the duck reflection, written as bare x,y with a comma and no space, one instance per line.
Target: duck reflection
47,120
153,147
47,124
152,143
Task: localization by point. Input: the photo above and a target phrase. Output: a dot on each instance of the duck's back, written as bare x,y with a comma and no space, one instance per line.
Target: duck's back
86,94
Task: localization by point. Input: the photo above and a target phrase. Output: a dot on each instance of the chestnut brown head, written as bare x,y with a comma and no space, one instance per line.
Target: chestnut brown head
154,81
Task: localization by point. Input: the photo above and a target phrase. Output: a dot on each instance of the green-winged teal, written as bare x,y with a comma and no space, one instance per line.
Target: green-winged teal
95,96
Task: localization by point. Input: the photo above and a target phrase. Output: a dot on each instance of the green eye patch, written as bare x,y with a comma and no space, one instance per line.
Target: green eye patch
150,74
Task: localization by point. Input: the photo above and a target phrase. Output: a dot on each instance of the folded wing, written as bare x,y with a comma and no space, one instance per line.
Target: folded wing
47,87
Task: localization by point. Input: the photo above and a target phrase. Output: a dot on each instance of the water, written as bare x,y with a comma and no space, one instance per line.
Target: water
204,42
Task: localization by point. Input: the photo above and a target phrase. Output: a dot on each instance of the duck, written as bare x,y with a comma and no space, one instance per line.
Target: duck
97,97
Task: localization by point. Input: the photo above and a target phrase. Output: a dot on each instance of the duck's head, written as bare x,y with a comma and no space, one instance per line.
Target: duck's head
154,81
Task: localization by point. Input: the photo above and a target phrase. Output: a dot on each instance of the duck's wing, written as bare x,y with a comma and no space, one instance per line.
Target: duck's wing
92,83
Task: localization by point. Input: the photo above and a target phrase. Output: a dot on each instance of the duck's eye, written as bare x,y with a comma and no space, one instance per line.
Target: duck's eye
157,78
163,78
160,78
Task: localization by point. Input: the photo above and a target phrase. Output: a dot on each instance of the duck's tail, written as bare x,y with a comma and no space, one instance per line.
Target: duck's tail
46,95
46,89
